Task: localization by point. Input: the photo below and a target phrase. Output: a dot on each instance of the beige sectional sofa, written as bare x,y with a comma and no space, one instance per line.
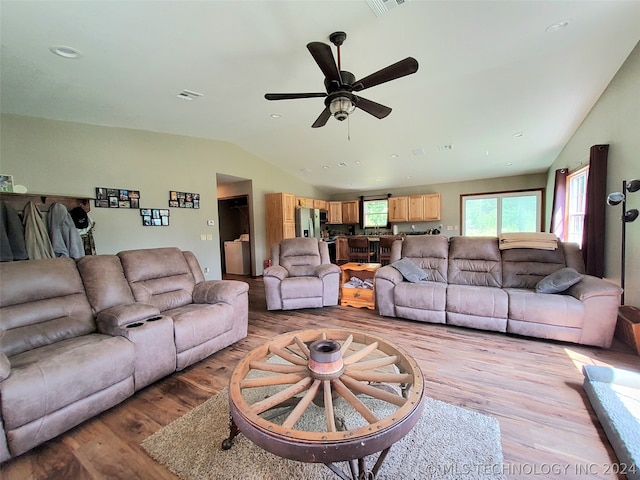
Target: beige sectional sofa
471,282
78,337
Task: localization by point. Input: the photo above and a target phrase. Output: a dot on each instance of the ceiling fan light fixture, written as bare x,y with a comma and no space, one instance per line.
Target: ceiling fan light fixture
341,107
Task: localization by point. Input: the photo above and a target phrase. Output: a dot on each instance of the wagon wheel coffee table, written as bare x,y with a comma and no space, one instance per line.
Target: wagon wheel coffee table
291,396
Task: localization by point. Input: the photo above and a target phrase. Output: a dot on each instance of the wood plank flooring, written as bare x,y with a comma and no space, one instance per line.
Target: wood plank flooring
533,387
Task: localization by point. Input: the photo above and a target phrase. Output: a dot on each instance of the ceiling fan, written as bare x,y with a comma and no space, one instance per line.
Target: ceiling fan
340,100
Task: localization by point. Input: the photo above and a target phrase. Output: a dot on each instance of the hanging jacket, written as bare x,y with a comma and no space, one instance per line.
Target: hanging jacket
12,244
35,233
64,236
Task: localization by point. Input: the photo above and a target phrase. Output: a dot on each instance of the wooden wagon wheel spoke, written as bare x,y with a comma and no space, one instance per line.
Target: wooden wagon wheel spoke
277,367
328,406
380,377
286,379
373,391
274,400
297,412
286,355
354,401
363,352
302,346
346,344
375,363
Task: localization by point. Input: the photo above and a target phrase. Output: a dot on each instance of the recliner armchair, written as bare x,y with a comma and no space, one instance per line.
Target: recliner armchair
301,275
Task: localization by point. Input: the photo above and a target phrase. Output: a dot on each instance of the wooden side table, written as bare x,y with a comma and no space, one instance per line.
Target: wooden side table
358,297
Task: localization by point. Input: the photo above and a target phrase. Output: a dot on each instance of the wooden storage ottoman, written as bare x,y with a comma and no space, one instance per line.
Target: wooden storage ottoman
628,326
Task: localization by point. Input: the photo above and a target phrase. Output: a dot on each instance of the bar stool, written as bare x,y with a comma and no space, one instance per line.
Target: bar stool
359,250
385,248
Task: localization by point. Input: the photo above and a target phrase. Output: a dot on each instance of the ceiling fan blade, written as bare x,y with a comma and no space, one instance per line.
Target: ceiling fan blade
322,119
399,69
373,108
321,53
291,96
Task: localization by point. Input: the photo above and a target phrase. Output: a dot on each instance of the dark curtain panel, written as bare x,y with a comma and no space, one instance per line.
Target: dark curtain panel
559,203
594,218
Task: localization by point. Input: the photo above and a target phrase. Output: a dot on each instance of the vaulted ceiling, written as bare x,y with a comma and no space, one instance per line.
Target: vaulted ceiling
501,85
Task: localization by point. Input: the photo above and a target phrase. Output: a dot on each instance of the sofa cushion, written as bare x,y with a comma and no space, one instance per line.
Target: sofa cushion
479,301
301,287
475,261
51,377
428,252
198,323
409,270
423,295
558,281
42,302
558,310
158,276
300,256
104,281
525,267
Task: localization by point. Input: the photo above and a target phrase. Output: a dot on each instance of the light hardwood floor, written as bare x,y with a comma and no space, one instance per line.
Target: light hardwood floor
533,387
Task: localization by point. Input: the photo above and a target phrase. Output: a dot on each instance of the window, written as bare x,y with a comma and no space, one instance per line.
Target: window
376,213
576,201
490,214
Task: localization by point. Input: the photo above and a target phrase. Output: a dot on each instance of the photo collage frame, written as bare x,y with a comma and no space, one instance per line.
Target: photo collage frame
184,199
117,198
155,217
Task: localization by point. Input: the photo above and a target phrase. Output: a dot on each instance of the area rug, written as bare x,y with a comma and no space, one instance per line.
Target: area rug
448,442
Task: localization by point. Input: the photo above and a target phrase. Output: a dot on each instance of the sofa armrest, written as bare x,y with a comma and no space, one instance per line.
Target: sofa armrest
216,291
327,269
111,320
591,286
276,271
389,273
5,367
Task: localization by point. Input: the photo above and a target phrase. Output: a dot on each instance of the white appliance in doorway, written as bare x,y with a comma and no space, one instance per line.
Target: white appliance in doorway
237,256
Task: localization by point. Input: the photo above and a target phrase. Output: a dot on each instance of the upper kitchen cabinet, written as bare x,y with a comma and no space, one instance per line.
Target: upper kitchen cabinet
424,208
280,217
321,204
351,211
335,213
398,209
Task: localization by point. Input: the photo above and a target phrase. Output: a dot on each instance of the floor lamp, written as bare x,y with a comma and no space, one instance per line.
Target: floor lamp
628,216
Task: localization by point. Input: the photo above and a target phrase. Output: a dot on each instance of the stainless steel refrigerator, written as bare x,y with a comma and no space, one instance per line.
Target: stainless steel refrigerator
308,222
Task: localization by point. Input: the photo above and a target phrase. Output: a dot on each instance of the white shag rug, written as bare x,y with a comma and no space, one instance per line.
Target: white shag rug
448,442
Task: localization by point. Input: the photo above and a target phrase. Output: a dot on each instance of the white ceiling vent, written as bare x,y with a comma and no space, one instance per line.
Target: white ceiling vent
381,7
189,95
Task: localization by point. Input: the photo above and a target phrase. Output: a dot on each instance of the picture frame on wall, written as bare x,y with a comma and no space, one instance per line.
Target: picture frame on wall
6,183
117,198
183,199
155,217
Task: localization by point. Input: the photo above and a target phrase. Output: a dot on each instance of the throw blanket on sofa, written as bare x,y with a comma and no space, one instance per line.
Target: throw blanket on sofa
539,240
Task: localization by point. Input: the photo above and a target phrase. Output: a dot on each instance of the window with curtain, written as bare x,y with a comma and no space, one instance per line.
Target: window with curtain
576,205
490,214
375,213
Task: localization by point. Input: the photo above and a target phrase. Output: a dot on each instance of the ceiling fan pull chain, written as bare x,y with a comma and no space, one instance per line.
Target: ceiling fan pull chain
349,128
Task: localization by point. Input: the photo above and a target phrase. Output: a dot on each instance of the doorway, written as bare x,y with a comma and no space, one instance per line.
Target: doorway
235,235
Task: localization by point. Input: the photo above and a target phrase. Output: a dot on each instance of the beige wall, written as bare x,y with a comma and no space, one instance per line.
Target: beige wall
614,120
65,158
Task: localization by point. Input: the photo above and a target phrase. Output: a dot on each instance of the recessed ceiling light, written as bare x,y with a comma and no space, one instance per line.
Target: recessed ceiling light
343,164
326,167
276,115
518,134
189,95
409,177
66,52
556,26
358,162
394,155
509,164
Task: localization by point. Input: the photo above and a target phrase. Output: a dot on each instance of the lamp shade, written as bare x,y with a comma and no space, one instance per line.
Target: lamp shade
633,185
615,198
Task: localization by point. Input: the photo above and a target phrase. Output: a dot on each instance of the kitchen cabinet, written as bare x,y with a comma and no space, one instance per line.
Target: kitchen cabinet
398,209
416,208
424,208
432,207
335,213
321,204
351,211
342,249
280,217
